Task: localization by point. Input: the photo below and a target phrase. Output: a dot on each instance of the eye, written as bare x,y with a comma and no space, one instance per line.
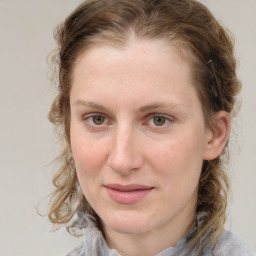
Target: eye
95,120
159,120
98,120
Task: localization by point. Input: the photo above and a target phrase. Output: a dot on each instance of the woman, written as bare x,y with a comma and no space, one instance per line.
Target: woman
145,100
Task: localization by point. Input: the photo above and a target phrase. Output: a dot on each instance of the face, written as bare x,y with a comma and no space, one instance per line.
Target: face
138,136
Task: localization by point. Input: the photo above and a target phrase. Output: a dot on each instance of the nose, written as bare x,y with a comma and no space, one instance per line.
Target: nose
125,151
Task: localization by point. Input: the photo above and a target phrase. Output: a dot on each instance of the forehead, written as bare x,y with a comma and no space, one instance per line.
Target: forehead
151,68
136,55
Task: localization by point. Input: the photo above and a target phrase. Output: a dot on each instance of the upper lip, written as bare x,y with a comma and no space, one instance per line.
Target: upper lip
129,187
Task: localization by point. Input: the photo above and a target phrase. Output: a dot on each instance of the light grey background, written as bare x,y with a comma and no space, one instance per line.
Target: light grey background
27,144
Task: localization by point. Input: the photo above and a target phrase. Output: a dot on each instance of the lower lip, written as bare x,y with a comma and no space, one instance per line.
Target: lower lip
128,197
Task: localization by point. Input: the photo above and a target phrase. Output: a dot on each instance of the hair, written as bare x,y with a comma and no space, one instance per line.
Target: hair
189,26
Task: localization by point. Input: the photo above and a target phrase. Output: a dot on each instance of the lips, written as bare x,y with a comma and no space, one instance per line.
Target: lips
127,194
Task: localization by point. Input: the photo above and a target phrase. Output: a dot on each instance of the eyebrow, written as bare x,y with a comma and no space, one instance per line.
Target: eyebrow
150,107
89,104
141,109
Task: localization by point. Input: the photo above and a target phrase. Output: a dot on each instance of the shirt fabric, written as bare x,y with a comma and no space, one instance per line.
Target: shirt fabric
94,244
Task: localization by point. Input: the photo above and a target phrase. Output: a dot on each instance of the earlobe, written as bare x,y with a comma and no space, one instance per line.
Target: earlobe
218,136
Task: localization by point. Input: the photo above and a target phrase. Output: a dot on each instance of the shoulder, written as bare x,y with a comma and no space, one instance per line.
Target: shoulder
77,251
87,250
231,244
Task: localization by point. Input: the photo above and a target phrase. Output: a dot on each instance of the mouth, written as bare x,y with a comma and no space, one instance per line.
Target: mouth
127,194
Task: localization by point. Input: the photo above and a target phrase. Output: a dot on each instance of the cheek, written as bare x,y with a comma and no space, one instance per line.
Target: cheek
178,162
178,175
88,154
89,158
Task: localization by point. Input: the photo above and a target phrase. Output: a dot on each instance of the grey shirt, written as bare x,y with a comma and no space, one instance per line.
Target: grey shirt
94,244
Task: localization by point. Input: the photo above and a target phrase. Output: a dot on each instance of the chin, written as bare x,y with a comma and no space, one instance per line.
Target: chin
128,228
132,223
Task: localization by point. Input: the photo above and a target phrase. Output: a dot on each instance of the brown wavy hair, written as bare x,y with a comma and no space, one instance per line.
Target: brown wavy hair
192,28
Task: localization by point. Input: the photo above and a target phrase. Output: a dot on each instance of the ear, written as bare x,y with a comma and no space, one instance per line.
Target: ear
217,137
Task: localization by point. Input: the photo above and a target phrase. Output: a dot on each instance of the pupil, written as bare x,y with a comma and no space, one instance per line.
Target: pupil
98,120
159,121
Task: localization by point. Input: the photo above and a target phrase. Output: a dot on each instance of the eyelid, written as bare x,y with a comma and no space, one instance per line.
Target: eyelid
85,116
161,115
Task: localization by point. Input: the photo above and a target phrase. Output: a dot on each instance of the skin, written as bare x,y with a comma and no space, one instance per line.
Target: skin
126,88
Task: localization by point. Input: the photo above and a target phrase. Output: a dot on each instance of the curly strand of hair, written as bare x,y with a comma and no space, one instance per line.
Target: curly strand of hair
213,197
65,195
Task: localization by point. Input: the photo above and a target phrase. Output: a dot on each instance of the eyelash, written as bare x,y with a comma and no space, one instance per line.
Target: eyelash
89,119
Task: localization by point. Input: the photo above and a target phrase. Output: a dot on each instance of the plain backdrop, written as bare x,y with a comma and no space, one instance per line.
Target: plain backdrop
27,143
